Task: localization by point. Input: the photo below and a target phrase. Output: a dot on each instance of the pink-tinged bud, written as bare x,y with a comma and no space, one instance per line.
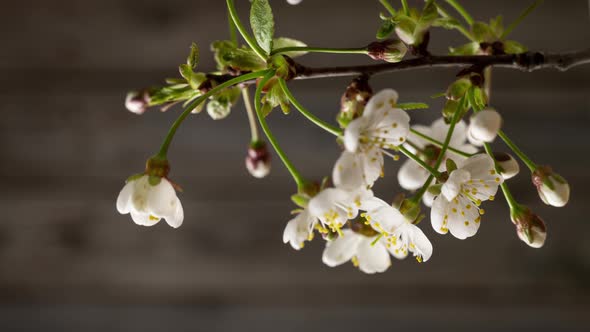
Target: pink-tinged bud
137,101
552,188
391,50
529,227
258,160
354,100
509,167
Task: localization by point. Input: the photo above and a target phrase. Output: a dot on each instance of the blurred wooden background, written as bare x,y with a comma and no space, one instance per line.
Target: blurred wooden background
69,261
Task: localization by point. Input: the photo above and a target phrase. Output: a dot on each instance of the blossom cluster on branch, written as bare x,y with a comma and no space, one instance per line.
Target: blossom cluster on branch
450,169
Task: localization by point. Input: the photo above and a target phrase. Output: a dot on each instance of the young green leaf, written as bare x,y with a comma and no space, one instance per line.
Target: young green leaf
193,57
514,47
385,29
283,42
262,22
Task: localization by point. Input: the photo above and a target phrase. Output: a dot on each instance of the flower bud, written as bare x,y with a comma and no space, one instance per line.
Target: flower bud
258,160
553,189
509,167
294,2
529,227
137,101
354,100
484,125
391,50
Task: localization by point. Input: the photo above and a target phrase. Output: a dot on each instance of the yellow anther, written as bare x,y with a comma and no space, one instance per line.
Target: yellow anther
154,218
492,197
482,211
355,261
466,223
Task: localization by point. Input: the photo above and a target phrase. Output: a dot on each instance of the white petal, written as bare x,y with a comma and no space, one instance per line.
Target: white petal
428,198
140,195
341,249
474,140
418,242
144,219
162,200
508,165
463,217
347,172
299,229
417,140
353,132
385,219
124,198
395,247
372,204
558,196
333,206
177,218
479,166
390,126
411,176
386,98
437,214
452,187
440,129
372,258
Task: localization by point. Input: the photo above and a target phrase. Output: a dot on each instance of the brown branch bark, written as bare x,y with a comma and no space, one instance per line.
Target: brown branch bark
529,61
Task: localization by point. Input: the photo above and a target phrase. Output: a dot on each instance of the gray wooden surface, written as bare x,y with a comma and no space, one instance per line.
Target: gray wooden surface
69,262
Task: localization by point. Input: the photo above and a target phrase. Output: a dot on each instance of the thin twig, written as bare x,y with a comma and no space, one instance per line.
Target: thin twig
529,61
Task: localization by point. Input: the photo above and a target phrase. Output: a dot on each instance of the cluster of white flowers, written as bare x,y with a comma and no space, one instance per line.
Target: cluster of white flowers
382,229
362,228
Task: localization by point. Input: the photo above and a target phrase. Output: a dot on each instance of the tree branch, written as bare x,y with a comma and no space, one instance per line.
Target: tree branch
529,61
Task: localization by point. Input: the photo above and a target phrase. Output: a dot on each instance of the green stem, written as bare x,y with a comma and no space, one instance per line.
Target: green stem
258,106
525,159
233,34
251,115
419,161
320,123
507,194
521,17
457,6
189,108
251,41
440,144
443,150
361,50
444,13
388,6
406,7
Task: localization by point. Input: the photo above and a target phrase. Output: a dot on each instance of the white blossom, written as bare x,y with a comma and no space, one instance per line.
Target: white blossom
412,176
148,203
381,126
401,234
456,209
335,206
369,253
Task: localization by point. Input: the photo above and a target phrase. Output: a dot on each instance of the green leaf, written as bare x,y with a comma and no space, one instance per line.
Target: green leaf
514,47
275,97
283,42
186,71
193,57
385,29
496,26
466,49
262,22
482,32
244,59
451,165
412,106
447,23
429,15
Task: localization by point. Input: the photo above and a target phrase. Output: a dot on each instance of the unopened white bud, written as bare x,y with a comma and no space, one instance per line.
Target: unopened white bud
509,167
484,126
552,188
294,2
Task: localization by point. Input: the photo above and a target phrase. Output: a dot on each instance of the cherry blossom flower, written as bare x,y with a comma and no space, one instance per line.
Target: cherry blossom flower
382,126
456,209
401,234
412,176
335,206
148,203
369,253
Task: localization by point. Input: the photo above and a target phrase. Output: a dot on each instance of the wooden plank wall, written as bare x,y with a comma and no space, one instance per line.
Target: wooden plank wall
68,261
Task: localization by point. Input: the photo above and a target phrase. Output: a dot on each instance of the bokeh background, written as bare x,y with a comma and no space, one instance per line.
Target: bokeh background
70,262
